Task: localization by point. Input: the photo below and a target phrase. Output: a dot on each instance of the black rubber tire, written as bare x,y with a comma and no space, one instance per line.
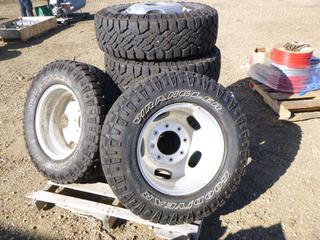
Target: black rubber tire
119,138
156,37
126,72
95,93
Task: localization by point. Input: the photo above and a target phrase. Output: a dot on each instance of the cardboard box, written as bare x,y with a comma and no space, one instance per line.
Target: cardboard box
260,55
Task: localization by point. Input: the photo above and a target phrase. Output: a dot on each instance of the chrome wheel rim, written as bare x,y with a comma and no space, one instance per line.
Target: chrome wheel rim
58,122
161,8
180,149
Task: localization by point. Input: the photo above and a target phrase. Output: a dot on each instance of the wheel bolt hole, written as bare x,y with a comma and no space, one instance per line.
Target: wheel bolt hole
170,159
155,132
159,157
185,140
179,128
181,152
167,125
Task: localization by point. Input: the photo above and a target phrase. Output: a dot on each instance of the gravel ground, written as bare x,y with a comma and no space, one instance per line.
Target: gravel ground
279,197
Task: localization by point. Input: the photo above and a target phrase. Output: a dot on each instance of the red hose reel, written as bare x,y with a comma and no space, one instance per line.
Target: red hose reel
291,59
294,60
289,70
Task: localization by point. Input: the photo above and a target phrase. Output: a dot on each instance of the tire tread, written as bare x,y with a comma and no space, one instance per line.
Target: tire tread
99,95
156,37
116,119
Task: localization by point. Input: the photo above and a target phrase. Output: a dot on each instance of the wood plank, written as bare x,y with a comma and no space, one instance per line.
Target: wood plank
290,107
162,233
302,105
100,210
286,96
50,188
274,104
282,95
302,116
99,188
264,87
109,222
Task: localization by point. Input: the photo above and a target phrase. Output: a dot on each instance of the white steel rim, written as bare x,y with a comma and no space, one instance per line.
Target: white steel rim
161,7
168,144
58,122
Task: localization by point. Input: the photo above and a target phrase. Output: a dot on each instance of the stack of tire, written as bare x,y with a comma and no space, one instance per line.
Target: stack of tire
172,142
144,39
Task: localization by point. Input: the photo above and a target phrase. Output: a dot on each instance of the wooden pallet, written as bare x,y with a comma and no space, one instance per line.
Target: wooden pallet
98,200
290,107
24,33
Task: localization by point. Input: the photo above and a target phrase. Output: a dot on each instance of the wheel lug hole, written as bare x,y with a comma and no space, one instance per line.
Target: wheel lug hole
155,132
179,128
170,159
185,140
181,152
167,125
152,145
159,157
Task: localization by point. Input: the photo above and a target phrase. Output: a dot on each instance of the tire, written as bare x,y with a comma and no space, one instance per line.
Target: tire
156,37
123,72
121,147
88,95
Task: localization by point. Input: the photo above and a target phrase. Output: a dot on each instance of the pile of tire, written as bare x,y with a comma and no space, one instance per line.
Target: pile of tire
144,39
173,143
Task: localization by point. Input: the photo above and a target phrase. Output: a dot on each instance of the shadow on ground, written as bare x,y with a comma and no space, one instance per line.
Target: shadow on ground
10,49
273,145
254,233
19,234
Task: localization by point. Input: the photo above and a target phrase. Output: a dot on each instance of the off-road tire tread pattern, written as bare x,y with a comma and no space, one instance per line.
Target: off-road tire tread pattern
156,37
100,95
117,121
126,72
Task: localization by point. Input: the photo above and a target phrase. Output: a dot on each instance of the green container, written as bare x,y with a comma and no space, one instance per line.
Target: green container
44,10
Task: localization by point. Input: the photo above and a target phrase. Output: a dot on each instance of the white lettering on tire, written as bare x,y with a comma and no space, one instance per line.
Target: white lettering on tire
188,205
171,95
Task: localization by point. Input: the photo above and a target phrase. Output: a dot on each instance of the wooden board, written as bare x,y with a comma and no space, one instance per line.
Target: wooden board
23,33
101,189
107,213
290,107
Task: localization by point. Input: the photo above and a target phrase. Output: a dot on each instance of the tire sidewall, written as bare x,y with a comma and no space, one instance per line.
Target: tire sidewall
41,84
218,108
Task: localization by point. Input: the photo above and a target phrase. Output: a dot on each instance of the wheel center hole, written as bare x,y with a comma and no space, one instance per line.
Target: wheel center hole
168,142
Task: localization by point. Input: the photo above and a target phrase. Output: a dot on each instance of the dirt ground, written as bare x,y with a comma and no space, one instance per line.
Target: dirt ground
279,197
